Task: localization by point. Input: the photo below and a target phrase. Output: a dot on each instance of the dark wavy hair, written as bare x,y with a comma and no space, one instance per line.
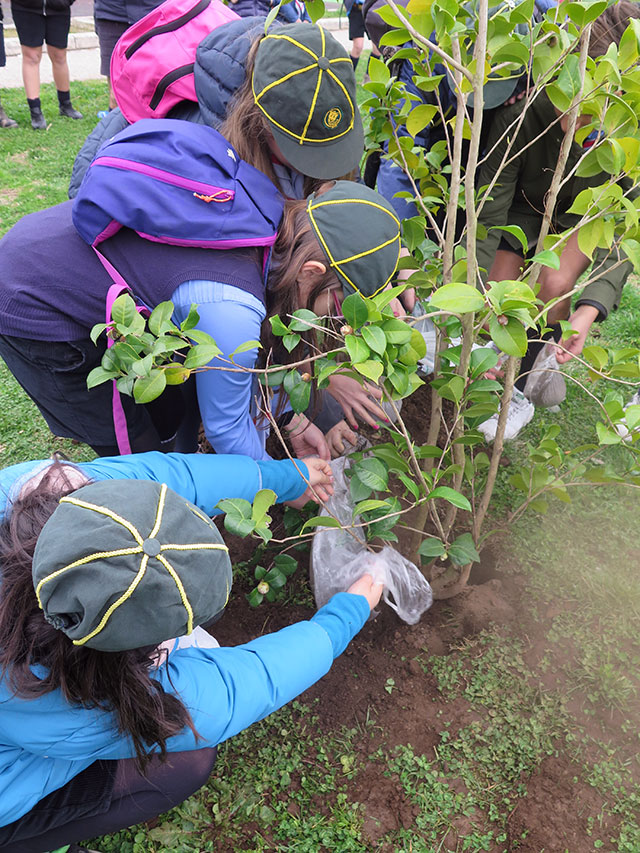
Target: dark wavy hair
608,27
117,682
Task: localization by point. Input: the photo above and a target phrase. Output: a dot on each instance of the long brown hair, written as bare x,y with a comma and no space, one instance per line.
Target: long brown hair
117,682
296,244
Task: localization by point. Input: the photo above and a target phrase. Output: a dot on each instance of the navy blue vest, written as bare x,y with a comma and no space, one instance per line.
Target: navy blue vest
53,287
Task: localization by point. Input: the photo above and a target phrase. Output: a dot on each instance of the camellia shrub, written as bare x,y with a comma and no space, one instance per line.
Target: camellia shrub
436,495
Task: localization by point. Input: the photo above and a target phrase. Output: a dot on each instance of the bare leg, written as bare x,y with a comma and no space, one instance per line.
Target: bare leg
555,283
505,266
31,57
59,67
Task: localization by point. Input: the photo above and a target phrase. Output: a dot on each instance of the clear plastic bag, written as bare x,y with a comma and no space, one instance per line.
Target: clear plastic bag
337,560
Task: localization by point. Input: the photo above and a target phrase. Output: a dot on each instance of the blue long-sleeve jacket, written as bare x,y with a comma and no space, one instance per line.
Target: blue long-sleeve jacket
204,479
45,742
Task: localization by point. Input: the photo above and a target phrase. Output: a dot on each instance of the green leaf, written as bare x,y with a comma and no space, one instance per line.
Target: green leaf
262,502
357,349
315,8
367,506
547,258
286,563
303,320
482,359
176,374
278,327
269,20
298,391
457,298
371,369
97,330
607,435
200,337
245,347
516,231
596,356
510,338
99,375
375,338
123,310
382,299
431,548
355,310
397,332
463,550
378,71
200,355
149,387
631,248
373,473
410,485
390,456
320,521
450,495
419,117
357,490
235,506
254,598
191,320
160,318
291,342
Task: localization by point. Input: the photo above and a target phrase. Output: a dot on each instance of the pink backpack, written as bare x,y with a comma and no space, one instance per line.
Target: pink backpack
152,63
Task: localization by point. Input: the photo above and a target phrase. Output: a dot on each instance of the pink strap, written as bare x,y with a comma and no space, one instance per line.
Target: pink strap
119,417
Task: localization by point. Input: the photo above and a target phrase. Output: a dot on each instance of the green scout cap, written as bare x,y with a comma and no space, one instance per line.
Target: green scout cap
123,564
304,83
359,233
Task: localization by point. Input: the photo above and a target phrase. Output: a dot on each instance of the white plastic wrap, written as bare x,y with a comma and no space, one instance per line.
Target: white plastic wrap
337,560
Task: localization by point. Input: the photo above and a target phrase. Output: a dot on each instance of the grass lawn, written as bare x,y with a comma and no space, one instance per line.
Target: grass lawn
508,720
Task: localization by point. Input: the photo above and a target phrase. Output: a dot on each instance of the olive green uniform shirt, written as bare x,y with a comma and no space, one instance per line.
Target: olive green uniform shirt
518,198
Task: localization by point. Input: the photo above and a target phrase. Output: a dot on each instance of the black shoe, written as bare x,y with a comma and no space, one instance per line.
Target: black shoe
5,121
67,109
38,121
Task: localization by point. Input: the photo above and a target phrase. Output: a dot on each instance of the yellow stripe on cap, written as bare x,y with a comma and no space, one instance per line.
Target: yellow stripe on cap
102,555
99,555
183,595
302,138
124,597
337,264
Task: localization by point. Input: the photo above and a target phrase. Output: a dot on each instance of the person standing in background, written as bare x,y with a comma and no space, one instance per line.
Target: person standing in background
39,21
5,121
112,18
357,32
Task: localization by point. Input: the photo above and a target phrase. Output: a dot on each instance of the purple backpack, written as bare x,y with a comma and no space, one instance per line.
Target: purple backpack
173,182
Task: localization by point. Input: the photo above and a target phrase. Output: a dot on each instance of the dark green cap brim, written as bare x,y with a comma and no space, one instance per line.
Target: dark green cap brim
323,160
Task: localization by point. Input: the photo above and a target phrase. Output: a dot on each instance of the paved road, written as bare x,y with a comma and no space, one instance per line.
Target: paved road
84,63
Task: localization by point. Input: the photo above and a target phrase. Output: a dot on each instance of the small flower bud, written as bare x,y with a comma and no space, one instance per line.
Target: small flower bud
503,319
346,330
306,377
263,587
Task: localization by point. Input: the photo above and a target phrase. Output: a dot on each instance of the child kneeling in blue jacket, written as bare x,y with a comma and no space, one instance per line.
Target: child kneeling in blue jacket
112,700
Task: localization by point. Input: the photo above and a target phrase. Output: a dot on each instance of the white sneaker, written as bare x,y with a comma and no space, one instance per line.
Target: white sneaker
622,429
520,413
546,385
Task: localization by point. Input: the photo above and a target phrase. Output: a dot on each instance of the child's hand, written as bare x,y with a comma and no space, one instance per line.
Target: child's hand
369,588
321,478
337,436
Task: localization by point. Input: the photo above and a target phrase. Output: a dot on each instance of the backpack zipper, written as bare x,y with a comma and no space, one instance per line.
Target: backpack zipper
206,192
